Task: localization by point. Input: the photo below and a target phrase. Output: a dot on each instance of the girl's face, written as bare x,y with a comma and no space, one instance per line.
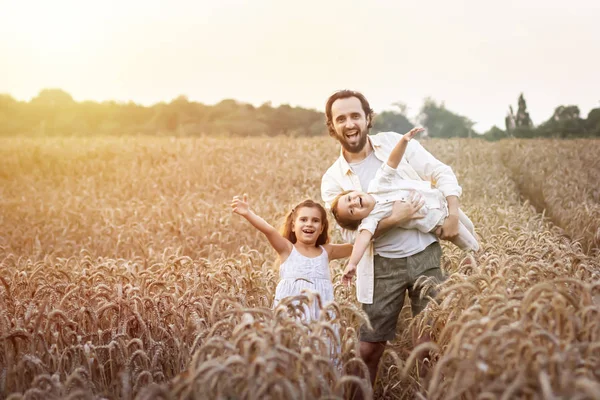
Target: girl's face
308,225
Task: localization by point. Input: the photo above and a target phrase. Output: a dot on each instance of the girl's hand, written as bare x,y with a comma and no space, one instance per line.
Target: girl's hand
240,207
412,133
349,272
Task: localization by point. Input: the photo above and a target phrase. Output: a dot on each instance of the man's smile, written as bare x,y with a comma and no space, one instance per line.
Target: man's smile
351,133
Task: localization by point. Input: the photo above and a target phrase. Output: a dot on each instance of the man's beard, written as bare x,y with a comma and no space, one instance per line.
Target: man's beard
359,146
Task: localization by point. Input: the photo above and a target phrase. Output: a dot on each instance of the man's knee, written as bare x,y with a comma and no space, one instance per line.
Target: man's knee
371,352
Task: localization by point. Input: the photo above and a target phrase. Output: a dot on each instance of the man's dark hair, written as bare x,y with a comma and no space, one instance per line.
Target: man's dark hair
344,94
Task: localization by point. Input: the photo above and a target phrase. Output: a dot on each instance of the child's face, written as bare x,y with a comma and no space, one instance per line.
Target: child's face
308,225
354,206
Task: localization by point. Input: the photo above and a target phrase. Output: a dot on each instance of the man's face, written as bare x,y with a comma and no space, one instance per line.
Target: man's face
350,124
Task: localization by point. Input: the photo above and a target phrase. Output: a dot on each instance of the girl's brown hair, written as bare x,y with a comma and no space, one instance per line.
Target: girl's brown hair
287,230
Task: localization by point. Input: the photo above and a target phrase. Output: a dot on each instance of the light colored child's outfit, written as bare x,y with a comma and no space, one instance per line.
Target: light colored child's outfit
388,187
299,272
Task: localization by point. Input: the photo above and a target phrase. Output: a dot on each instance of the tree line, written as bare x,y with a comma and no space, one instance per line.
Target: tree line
565,122
54,112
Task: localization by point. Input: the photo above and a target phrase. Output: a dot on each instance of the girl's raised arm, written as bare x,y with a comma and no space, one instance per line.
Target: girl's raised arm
282,246
336,251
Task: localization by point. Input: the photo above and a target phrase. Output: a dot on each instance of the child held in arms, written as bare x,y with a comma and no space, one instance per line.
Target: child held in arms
362,211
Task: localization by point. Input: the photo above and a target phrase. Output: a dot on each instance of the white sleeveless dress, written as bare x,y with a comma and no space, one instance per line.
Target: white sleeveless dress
299,272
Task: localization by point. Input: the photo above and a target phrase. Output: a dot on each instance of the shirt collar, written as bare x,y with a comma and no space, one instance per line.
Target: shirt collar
344,164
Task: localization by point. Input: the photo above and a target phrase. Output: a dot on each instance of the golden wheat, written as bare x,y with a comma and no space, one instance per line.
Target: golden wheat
124,275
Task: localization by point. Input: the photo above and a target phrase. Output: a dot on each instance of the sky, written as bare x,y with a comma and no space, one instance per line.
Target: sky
476,56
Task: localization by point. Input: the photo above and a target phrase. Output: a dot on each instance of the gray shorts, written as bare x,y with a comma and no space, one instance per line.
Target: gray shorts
393,277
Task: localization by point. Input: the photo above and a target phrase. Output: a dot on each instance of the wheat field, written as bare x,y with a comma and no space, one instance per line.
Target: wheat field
123,274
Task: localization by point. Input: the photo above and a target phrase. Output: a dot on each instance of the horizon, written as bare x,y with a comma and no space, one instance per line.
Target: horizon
474,58
412,119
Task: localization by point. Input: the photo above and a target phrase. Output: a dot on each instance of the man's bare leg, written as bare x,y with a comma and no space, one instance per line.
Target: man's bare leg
424,358
371,353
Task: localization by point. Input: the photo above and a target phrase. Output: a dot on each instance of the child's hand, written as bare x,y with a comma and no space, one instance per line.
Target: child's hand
349,272
240,207
412,133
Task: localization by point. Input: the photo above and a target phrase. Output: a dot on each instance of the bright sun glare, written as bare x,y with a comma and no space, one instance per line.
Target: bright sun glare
58,28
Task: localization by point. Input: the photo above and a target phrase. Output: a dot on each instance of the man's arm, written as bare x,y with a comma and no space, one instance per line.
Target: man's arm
449,229
431,169
453,205
402,212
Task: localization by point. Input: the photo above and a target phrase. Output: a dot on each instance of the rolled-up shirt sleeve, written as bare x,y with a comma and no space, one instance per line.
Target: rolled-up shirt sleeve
369,224
430,168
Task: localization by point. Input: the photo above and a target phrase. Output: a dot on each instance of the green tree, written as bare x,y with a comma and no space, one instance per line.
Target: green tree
593,122
10,120
509,120
494,134
55,112
392,121
522,118
443,123
519,124
565,122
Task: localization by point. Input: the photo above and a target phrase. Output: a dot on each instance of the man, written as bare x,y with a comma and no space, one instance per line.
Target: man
397,257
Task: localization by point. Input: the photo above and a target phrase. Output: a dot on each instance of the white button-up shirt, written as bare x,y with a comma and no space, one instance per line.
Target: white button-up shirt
388,187
417,164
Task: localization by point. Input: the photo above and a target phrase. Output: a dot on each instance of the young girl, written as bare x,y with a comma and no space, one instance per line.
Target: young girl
360,211
303,249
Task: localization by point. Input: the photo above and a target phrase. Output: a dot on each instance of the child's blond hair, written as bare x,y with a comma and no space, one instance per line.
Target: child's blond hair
344,223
